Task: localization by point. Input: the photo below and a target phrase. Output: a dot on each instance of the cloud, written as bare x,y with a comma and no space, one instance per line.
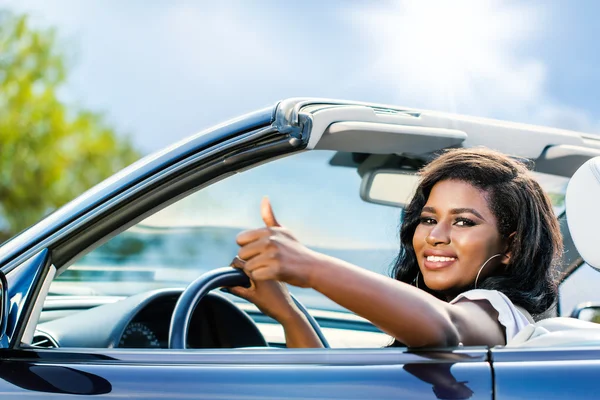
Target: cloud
464,56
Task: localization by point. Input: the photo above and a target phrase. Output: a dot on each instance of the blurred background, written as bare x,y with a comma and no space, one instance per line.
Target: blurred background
82,80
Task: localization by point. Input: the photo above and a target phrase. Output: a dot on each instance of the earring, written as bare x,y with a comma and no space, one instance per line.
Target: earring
480,269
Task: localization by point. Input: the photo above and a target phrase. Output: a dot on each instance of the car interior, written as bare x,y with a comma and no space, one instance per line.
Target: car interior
143,320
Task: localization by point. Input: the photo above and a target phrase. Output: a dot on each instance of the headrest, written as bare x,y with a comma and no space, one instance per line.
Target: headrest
582,202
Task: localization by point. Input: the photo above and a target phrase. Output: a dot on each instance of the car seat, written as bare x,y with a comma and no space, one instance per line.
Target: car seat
583,194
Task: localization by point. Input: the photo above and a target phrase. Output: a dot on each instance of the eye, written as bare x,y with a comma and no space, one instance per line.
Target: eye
427,221
462,221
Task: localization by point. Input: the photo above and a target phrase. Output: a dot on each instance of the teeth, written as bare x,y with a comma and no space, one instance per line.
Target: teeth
440,259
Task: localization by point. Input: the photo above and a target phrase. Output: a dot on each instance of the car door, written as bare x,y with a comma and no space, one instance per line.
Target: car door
546,373
249,374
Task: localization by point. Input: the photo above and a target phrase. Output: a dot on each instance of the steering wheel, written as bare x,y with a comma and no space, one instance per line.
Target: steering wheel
195,292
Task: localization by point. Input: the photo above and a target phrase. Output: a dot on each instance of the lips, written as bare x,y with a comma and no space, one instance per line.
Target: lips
437,260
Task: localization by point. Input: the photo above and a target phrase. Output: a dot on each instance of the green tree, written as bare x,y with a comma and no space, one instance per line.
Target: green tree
49,151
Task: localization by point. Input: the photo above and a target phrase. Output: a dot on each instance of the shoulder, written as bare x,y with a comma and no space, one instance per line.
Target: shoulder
509,316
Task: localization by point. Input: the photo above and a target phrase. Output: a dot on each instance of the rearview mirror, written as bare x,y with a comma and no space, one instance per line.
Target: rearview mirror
389,187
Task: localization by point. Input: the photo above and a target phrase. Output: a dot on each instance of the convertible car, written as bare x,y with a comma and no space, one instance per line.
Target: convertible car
119,294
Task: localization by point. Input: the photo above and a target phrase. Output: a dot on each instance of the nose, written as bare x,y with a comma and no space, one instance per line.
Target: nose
439,234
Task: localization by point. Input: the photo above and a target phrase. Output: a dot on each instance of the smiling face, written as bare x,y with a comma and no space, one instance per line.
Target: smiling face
457,233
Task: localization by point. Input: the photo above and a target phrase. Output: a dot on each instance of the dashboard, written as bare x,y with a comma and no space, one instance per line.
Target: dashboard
143,321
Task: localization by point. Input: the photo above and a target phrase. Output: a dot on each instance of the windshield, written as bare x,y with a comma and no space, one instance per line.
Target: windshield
317,201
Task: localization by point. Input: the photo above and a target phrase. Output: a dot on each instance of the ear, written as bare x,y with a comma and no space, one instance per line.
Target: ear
508,249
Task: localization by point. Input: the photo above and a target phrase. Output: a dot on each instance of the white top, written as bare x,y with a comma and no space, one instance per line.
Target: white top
509,316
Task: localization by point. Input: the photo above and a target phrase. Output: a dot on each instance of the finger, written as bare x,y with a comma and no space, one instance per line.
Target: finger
266,259
265,274
246,237
266,211
238,262
256,248
239,291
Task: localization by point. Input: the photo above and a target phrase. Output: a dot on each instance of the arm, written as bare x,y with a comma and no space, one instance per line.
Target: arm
299,333
411,315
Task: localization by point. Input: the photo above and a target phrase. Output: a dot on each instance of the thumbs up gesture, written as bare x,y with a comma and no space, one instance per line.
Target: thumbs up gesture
272,257
273,253
266,212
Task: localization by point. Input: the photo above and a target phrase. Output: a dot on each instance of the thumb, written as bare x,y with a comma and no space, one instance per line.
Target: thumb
238,291
267,214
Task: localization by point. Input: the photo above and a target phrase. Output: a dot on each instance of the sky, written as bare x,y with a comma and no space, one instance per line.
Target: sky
163,70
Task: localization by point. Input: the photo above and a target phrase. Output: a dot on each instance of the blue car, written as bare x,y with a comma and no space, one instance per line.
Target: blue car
118,294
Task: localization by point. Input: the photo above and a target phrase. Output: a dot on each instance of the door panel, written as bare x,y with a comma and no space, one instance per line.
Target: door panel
546,373
248,374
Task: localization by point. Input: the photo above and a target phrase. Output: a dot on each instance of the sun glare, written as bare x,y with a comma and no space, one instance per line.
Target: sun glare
445,46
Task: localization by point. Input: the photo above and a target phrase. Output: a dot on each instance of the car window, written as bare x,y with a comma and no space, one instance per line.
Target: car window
319,202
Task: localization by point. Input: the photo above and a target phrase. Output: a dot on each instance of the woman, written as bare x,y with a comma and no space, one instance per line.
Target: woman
478,243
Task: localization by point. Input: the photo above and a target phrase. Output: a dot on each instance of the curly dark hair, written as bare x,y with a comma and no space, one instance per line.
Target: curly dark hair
520,207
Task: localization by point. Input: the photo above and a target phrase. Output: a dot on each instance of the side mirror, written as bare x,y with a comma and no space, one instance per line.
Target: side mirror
388,187
587,312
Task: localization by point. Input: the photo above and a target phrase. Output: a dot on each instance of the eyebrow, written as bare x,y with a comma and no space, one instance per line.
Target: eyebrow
457,211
